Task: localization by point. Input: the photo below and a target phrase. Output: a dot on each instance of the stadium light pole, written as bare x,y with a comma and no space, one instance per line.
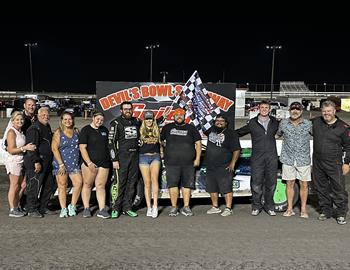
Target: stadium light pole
30,45
151,47
164,73
273,48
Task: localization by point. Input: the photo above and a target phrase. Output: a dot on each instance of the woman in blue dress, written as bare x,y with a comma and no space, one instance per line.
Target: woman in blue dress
65,147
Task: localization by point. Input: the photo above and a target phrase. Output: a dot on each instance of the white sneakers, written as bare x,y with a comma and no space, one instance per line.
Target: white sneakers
214,210
152,212
149,212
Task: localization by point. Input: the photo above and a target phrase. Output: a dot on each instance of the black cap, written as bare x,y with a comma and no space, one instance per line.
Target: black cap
148,115
221,116
296,105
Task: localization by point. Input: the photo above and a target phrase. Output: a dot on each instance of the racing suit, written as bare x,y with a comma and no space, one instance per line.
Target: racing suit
123,142
331,149
39,184
264,161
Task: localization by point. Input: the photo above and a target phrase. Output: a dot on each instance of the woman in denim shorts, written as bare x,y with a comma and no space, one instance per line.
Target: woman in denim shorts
149,161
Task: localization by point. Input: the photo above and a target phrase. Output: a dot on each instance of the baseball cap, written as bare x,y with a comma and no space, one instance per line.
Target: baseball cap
296,105
149,115
179,111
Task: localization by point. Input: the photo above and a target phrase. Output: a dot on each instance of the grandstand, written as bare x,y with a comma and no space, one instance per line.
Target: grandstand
292,87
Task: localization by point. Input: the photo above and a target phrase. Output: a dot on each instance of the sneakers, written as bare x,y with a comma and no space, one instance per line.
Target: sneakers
173,212
227,212
47,211
289,213
214,210
304,215
255,212
72,210
323,217
15,212
149,212
341,220
115,214
186,211
35,214
103,214
130,213
271,213
155,212
64,213
87,213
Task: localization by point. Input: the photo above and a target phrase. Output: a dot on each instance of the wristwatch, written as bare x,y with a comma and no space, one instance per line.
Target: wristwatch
22,149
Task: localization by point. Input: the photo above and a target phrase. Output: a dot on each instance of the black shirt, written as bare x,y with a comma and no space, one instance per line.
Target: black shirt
331,142
180,144
28,121
97,144
263,141
147,148
220,147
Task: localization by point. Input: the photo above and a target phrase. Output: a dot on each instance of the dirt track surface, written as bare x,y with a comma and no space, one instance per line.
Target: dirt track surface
199,242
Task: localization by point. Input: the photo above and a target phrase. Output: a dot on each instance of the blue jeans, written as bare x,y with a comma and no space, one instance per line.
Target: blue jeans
148,159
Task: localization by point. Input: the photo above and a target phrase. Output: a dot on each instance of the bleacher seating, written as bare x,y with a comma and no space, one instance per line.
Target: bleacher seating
297,86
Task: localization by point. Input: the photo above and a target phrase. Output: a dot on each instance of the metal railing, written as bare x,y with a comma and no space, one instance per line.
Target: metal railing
328,87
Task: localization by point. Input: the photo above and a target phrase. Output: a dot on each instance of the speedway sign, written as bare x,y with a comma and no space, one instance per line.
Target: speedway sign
157,97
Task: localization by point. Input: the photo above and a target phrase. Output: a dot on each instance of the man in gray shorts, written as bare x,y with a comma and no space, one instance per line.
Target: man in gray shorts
183,147
295,155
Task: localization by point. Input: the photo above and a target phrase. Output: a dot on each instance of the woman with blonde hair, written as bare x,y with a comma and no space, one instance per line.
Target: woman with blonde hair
65,148
14,141
150,160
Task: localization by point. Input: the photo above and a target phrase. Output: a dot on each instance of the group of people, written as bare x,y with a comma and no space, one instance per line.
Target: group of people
330,160
36,156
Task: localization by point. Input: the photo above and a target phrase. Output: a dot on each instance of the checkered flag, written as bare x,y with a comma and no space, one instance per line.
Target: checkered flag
199,106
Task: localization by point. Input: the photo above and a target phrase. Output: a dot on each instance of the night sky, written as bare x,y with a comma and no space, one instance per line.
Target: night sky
72,55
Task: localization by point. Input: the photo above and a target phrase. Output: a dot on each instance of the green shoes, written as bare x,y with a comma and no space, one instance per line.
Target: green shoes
131,213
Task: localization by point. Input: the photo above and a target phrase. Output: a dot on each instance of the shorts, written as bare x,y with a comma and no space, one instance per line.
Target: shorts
302,173
107,164
182,176
219,180
14,168
146,160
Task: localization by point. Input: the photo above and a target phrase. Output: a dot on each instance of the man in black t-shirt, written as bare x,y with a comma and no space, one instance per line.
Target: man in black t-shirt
29,114
223,150
123,143
182,154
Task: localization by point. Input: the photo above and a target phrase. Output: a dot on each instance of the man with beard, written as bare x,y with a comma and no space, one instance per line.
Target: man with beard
295,155
264,160
29,114
331,158
123,142
223,150
182,154
38,166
